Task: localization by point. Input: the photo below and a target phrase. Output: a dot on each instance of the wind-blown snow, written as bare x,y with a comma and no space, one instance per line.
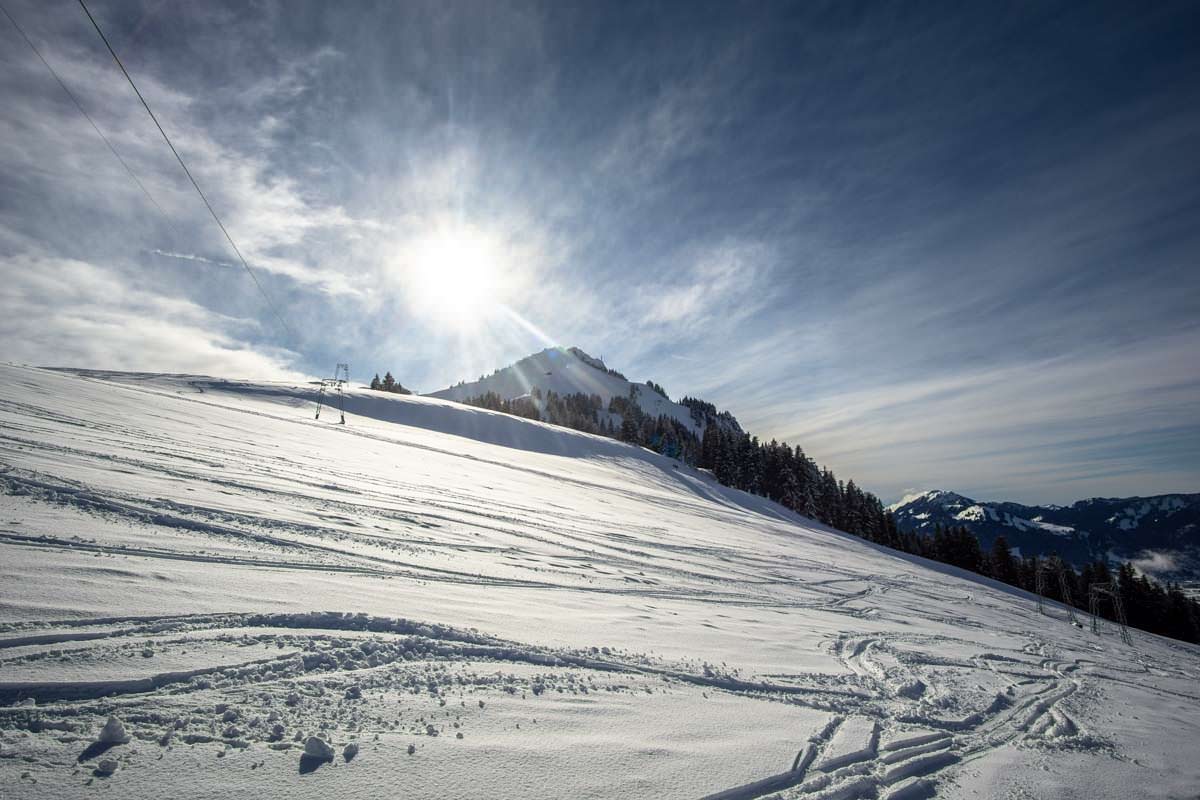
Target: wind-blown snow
512,610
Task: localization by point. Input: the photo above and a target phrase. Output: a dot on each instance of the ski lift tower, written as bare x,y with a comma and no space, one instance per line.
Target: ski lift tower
1102,591
1055,565
341,377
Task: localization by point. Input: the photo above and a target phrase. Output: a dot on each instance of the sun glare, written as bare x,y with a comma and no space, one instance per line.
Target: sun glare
455,277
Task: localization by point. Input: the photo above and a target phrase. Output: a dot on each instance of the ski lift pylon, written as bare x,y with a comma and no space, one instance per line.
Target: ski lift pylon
341,377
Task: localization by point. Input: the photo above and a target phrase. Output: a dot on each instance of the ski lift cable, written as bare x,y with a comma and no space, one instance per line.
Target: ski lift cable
274,309
112,149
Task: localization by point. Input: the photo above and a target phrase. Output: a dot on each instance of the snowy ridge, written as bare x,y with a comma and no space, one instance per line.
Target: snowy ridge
514,610
1130,516
940,496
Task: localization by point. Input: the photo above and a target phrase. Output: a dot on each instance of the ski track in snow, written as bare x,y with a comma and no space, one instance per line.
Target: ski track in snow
750,653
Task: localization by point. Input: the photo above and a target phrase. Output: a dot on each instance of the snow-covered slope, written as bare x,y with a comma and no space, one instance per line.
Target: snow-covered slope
1160,534
464,604
568,371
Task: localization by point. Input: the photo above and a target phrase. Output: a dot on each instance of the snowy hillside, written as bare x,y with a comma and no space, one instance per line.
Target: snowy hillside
569,371
439,601
1159,534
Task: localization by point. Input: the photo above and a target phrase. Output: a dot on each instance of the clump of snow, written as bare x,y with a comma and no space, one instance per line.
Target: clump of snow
113,732
350,751
108,766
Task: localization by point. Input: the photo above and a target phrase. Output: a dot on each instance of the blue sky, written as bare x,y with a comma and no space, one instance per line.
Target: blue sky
934,247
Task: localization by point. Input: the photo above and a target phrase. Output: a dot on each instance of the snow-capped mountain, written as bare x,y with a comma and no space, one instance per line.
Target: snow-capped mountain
570,371
1161,533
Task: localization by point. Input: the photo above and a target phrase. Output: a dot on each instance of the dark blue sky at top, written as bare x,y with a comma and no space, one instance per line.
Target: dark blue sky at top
935,245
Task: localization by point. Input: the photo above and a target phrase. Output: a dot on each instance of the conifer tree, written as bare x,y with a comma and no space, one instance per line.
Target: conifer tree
630,431
1000,559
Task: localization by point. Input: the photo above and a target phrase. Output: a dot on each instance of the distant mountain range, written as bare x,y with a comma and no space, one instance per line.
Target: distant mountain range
1160,534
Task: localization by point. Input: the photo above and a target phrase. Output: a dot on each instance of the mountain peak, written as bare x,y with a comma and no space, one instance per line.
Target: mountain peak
940,496
571,371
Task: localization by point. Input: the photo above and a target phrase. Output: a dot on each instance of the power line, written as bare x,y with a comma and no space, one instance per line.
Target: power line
286,328
86,115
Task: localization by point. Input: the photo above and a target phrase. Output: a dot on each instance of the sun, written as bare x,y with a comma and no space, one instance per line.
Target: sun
455,277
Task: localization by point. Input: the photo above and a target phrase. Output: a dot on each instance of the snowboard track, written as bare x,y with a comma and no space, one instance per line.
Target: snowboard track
299,667
923,744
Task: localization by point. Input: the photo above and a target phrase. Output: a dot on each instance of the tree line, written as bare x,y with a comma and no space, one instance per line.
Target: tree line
1148,604
518,407
388,384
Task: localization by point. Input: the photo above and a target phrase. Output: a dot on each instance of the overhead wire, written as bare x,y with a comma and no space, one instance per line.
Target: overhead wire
270,303
112,149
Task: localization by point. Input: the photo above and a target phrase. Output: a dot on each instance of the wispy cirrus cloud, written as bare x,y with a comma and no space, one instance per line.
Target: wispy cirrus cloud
722,281
193,257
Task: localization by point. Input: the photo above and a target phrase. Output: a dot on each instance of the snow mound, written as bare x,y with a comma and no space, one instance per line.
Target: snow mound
113,732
